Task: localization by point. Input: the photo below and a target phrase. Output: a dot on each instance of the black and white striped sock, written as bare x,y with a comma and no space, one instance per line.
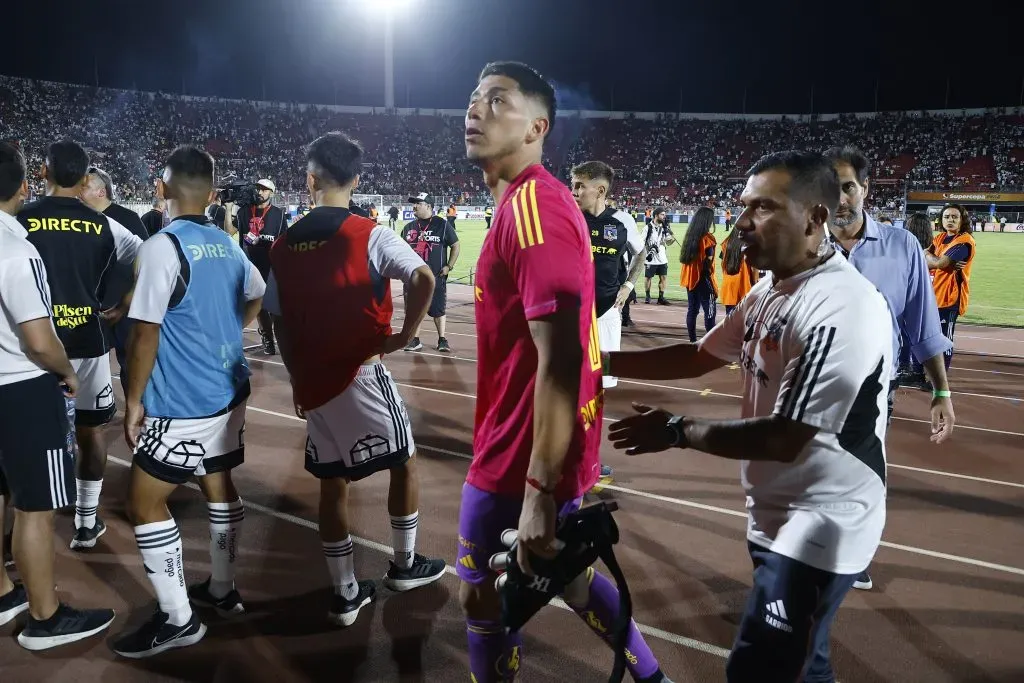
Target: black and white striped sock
225,523
341,565
403,538
160,545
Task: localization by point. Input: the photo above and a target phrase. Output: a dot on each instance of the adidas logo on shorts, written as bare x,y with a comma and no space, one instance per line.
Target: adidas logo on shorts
778,610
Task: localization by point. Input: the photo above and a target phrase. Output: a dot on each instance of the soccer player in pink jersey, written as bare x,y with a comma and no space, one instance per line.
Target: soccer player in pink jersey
537,430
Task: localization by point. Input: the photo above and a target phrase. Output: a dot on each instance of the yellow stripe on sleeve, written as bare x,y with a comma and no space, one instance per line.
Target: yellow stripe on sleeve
519,222
525,207
536,213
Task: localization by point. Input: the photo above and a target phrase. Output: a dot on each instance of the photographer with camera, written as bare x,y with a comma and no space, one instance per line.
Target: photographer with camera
259,224
659,236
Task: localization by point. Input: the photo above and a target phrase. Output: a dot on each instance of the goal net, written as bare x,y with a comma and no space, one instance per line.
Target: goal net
376,200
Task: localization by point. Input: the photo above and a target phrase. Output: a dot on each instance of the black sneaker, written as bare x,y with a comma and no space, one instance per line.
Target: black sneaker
647,299
422,572
414,345
662,301
66,625
228,606
268,346
86,538
156,636
13,603
344,612
442,345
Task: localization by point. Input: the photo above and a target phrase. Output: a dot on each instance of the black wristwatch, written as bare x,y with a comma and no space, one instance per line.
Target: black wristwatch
675,430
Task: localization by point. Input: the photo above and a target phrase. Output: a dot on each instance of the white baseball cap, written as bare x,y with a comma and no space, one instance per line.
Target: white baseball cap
267,183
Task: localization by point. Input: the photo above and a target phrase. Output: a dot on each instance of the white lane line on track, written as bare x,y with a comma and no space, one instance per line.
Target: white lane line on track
651,631
712,393
1016,401
712,508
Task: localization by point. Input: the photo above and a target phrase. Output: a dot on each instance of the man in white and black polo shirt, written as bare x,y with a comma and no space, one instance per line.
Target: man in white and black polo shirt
80,247
36,467
815,347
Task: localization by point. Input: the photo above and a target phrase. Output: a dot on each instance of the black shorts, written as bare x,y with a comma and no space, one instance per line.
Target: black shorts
36,469
651,271
439,303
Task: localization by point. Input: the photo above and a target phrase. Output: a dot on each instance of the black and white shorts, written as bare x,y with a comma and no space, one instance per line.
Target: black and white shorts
36,469
174,449
94,403
361,431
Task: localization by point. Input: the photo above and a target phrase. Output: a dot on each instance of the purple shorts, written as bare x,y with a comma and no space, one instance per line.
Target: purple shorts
483,517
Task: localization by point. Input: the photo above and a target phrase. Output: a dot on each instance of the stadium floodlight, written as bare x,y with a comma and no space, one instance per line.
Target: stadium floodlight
391,6
390,9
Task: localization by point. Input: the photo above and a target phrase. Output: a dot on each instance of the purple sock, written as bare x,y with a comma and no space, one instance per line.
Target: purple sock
493,656
599,614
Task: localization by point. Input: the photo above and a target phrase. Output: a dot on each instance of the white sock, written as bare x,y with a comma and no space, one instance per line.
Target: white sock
403,538
160,545
225,523
88,502
342,567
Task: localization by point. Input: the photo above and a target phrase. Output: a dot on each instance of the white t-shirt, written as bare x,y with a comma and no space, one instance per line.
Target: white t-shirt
159,273
24,296
815,348
389,255
634,241
655,237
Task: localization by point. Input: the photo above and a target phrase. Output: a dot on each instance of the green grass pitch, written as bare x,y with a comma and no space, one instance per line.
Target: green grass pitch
997,281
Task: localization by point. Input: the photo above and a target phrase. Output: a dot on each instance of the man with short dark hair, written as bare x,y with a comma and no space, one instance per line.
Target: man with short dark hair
891,259
330,295
36,466
537,434
188,383
657,237
99,195
612,232
437,243
613,235
814,347
78,245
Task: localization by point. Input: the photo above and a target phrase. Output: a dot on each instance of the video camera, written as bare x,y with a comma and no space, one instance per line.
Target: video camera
241,194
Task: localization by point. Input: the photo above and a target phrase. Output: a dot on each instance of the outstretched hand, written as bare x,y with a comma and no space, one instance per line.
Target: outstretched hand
645,432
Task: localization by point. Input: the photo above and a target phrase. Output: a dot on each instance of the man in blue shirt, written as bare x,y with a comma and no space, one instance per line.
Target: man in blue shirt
892,260
185,409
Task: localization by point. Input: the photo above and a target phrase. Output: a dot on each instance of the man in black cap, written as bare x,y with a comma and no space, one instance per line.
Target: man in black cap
435,240
258,226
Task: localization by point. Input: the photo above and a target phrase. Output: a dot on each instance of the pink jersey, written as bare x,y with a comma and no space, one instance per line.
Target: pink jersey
535,260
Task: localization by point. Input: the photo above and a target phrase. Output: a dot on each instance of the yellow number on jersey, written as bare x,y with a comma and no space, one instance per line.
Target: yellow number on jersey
594,347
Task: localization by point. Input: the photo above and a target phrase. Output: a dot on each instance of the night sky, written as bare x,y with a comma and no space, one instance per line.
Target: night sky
638,55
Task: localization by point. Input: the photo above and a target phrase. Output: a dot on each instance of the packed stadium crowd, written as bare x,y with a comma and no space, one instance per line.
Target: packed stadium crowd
675,162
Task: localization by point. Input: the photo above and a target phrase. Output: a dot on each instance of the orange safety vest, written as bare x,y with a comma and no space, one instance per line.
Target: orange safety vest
952,285
735,287
690,273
